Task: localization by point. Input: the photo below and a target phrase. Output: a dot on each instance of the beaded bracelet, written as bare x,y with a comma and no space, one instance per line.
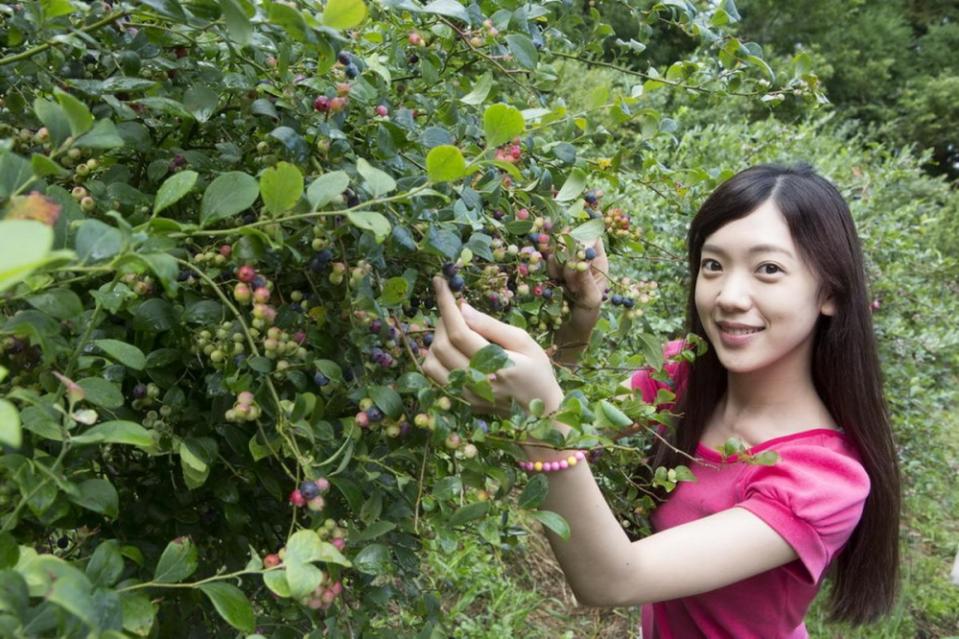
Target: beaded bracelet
552,466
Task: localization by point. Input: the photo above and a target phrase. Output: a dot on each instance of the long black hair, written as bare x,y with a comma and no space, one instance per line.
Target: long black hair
845,368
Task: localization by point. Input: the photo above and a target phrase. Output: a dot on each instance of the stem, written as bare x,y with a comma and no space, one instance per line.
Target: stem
29,53
194,584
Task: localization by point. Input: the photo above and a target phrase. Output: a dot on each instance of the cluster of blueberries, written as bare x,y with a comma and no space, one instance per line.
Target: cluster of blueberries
344,58
454,279
321,260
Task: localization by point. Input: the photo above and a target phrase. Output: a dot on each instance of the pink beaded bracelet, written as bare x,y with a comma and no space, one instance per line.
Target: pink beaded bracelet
553,466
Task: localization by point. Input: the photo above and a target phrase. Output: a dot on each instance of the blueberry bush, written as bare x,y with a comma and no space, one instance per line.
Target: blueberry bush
219,223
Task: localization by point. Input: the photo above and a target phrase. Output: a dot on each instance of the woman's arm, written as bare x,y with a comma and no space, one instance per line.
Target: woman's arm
600,563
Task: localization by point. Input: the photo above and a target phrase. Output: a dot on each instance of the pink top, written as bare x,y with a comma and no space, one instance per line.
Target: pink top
813,497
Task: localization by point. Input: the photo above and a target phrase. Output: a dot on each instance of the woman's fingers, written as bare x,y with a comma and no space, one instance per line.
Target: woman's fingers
447,354
459,334
435,369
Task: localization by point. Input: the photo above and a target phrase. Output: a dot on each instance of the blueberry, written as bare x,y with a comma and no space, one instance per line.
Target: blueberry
482,425
590,197
309,490
457,283
344,57
374,414
321,380
63,542
259,281
139,391
616,299
352,71
428,339
449,269
590,253
326,255
548,293
375,326
351,199
183,275
628,302
317,265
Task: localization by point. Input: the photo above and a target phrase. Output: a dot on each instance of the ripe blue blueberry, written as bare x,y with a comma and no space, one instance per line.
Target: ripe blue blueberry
139,391
352,71
374,414
309,490
628,302
548,293
616,299
321,380
449,269
428,339
344,57
259,281
457,283
590,253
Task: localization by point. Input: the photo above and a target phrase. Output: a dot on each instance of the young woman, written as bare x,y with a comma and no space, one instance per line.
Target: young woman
779,293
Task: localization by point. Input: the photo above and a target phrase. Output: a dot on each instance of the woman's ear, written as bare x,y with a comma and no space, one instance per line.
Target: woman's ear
828,307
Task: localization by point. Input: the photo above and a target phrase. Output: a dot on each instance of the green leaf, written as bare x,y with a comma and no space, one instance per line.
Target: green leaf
445,163
344,14
168,8
502,123
374,530
450,8
388,400
126,354
101,392
15,174
652,350
173,189
232,604
178,561
480,90
116,432
139,612
523,50
373,560
573,186
98,495
535,492
24,246
275,580
302,578
371,221
448,488
395,291
615,416
227,195
554,522
281,187
765,458
587,232
54,118
55,8
78,115
103,136
237,22
684,474
326,187
106,564
44,166
61,303
73,594
11,433
469,513
9,553
97,241
490,359
201,102
378,182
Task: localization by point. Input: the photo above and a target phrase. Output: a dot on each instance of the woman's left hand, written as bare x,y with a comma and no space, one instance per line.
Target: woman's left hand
462,331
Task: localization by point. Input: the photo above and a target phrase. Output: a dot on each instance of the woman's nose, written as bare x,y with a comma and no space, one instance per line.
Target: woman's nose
734,293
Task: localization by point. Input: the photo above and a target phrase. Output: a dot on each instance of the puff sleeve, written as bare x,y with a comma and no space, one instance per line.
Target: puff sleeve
813,497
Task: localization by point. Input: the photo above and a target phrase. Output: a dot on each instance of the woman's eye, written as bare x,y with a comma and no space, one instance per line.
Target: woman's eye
770,269
710,265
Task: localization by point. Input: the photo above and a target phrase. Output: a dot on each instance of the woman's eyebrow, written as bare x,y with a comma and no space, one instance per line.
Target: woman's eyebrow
758,248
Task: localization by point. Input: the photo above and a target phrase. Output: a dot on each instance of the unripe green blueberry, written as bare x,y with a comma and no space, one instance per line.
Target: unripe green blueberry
444,403
469,451
452,441
87,204
217,356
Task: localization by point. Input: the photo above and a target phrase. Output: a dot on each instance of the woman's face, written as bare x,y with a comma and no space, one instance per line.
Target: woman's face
757,300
